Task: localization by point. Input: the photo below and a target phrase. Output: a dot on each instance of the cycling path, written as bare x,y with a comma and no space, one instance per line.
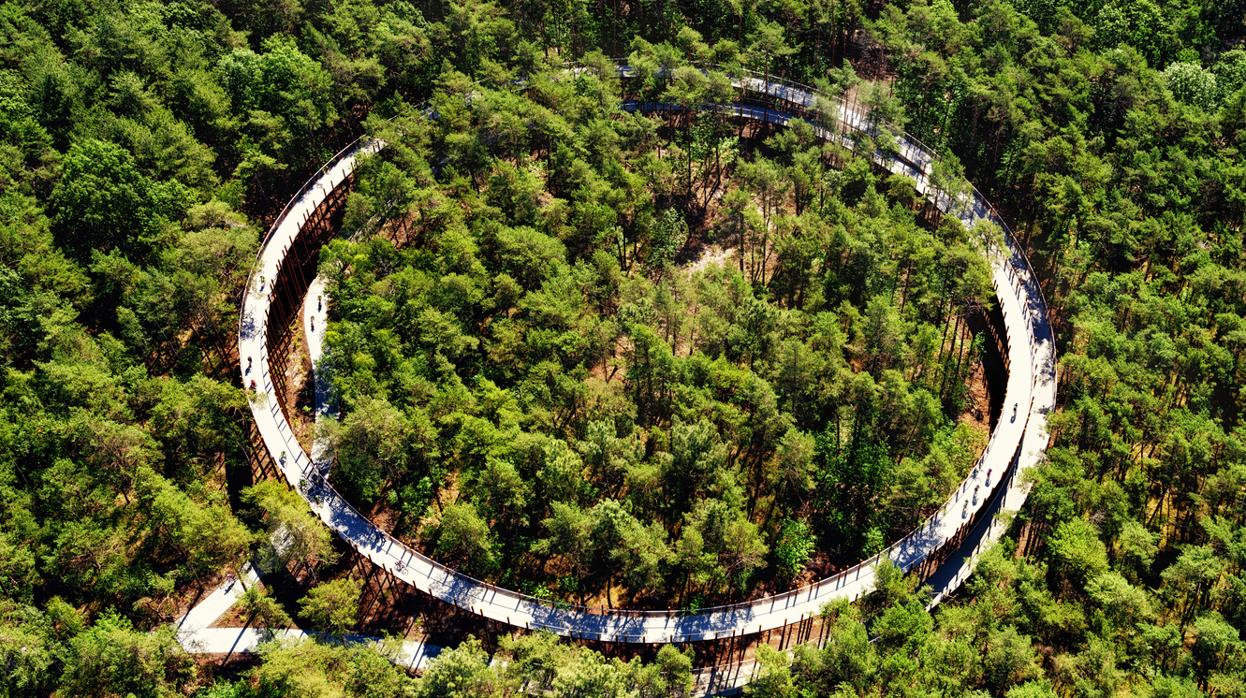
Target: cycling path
1015,442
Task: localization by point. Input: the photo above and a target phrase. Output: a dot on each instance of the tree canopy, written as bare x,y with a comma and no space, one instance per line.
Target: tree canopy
540,380
639,344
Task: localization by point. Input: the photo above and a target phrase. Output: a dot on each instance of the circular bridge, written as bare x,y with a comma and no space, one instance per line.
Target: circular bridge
943,549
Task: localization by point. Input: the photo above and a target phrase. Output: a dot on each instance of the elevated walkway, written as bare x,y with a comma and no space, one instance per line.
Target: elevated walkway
944,548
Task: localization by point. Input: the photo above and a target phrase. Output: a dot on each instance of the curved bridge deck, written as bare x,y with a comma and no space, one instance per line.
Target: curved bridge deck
944,547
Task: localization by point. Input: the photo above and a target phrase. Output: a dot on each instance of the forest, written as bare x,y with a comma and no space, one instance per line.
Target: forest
145,146
526,353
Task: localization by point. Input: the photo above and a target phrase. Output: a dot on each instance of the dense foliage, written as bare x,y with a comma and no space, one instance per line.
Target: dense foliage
142,144
533,359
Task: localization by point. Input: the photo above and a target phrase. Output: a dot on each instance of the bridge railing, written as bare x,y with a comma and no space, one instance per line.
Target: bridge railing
789,86
283,214
570,612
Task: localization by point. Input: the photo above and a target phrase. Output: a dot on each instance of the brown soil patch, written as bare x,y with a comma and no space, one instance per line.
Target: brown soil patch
300,395
233,618
978,413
